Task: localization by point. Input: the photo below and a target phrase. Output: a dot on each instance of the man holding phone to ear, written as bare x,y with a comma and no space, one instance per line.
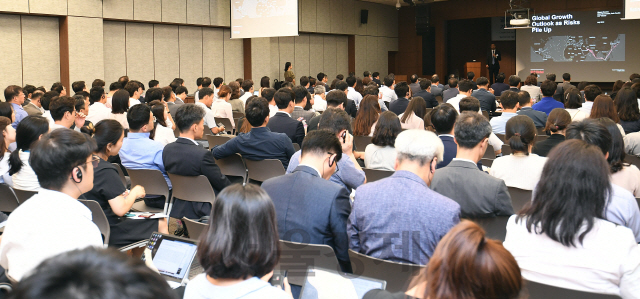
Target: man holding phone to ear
53,221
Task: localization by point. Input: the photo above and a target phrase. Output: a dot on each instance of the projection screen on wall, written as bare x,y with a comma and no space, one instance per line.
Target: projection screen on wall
264,18
632,9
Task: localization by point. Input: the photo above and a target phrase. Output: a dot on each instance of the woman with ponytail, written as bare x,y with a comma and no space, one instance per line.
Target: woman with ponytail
557,123
465,265
29,131
522,168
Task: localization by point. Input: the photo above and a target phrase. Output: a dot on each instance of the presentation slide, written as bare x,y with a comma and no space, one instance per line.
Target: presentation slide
264,18
595,46
632,9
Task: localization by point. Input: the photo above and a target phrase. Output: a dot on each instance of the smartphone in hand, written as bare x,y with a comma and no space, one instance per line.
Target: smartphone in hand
277,280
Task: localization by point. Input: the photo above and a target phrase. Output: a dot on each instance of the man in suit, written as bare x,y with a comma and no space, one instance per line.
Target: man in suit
499,86
373,225
167,93
350,107
493,63
470,76
478,193
34,107
282,122
484,94
400,105
452,91
436,87
514,83
562,87
425,88
443,119
539,118
310,208
335,99
186,157
414,85
301,101
375,77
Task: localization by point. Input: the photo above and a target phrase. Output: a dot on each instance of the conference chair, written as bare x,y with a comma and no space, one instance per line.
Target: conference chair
207,130
502,137
228,127
361,142
190,188
541,137
373,175
486,115
541,131
194,228
519,198
98,217
506,150
232,166
397,275
296,147
633,160
121,175
486,162
260,171
495,227
8,199
176,132
23,195
154,183
297,257
439,99
237,114
218,140
489,153
543,291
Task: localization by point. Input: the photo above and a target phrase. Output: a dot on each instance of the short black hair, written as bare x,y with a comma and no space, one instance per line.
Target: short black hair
551,77
304,80
351,81
206,82
453,83
80,104
78,86
59,106
470,75
37,94
153,94
513,81
335,98
592,132
57,87
469,104
387,129
241,240
217,81
95,94
174,84
257,111
301,93
524,98
132,87
153,83
199,81
204,92
340,77
401,89
435,79
482,81
388,81
12,91
283,97
548,88
321,76
268,94
138,116
375,74
591,91
246,85
93,273
566,77
470,129
509,99
57,154
341,85
425,84
98,83
187,115
322,142
115,86
28,89
47,98
443,118
182,89
334,120
465,85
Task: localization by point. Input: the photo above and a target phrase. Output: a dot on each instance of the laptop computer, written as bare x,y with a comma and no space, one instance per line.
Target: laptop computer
172,256
329,284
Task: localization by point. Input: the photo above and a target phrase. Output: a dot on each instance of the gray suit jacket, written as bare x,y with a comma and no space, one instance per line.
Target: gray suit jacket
173,108
300,112
479,194
415,88
32,109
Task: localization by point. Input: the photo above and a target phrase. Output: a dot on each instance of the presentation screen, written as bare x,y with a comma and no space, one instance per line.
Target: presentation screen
632,9
264,18
594,46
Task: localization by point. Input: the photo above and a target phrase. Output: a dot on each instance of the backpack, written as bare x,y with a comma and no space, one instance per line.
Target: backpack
277,84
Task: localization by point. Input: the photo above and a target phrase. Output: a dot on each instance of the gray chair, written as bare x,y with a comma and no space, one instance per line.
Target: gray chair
154,183
519,197
397,275
543,291
237,114
439,99
502,137
232,166
8,199
633,160
297,257
495,227
98,217
373,175
228,127
296,147
194,228
361,142
486,114
191,188
541,137
506,150
23,195
486,162
489,153
123,178
218,140
263,170
207,131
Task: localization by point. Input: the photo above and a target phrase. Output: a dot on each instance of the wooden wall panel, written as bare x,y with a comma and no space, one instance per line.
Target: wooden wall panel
190,56
174,11
40,64
14,6
147,10
337,6
233,58
342,55
86,56
323,16
301,61
115,54
308,17
213,52
330,67
316,54
198,12
287,53
117,9
220,13
11,51
166,53
139,45
52,7
361,54
85,8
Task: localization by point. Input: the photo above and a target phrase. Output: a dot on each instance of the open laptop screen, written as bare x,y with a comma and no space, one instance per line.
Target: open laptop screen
172,255
328,284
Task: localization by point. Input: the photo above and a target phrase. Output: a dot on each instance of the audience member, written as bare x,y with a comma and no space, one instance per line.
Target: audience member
413,116
163,131
7,111
377,206
247,86
564,222
472,104
236,103
310,208
299,112
119,107
479,194
8,137
388,94
522,168
623,174
220,105
98,110
350,106
499,86
509,102
352,94
181,94
380,154
514,83
424,92
603,106
531,86
282,122
368,114
443,119
78,86
452,91
170,98
556,125
565,85
60,89
82,109
45,101
14,95
135,91
34,107
484,94
64,114
436,87
464,90
186,157
239,249
28,133
206,101
52,221
547,103
572,103
373,90
260,143
465,264
264,84
335,99
627,105
268,94
319,99
591,92
153,83
111,194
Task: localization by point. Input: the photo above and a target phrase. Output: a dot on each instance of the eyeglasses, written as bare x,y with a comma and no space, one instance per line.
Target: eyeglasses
95,160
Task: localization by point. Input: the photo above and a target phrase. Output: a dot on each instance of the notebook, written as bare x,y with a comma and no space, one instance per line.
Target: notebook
172,256
329,284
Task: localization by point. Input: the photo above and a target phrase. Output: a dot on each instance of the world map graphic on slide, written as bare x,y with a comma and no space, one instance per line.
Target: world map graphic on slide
578,48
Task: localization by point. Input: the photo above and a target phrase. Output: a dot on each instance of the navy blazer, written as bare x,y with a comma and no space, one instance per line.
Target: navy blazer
259,144
283,123
449,94
311,210
450,152
428,97
399,106
487,100
184,157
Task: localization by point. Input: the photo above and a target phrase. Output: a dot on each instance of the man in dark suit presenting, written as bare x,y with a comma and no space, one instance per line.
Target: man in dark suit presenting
493,63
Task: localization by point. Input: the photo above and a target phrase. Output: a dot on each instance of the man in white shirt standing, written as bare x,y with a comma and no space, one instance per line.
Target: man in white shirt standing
205,103
135,91
247,86
352,94
98,110
466,88
388,94
53,221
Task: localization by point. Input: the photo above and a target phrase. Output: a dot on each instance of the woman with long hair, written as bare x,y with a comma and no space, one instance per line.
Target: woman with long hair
232,90
289,76
264,83
367,116
603,106
221,107
359,86
7,111
522,168
557,123
381,153
119,107
8,137
628,111
623,174
413,116
29,131
239,249
616,86
465,264
560,238
162,131
573,101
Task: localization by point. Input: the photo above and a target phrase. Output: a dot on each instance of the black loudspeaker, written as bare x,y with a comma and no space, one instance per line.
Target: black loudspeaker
423,13
364,16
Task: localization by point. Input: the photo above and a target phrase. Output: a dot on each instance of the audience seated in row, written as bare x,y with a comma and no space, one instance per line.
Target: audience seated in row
380,154
365,122
403,92
465,88
573,103
485,95
557,123
509,102
30,130
413,116
547,103
8,137
425,93
282,122
526,101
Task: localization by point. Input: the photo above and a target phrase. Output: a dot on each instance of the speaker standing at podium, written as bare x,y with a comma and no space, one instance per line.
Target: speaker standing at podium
493,63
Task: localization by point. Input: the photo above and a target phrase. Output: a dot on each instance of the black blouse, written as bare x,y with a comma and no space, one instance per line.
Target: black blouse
106,186
543,148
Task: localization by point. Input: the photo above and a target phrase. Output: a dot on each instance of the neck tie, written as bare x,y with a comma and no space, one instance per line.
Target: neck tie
493,56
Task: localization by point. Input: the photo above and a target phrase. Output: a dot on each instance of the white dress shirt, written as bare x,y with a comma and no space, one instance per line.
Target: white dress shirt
209,118
47,224
121,118
4,170
245,97
353,95
388,94
455,101
318,103
586,108
499,123
133,102
518,170
47,115
164,135
26,178
380,157
97,112
222,109
577,114
607,261
273,109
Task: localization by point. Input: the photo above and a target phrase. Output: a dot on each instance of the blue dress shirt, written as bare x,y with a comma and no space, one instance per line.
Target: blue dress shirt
547,104
20,114
346,175
140,152
499,123
259,144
